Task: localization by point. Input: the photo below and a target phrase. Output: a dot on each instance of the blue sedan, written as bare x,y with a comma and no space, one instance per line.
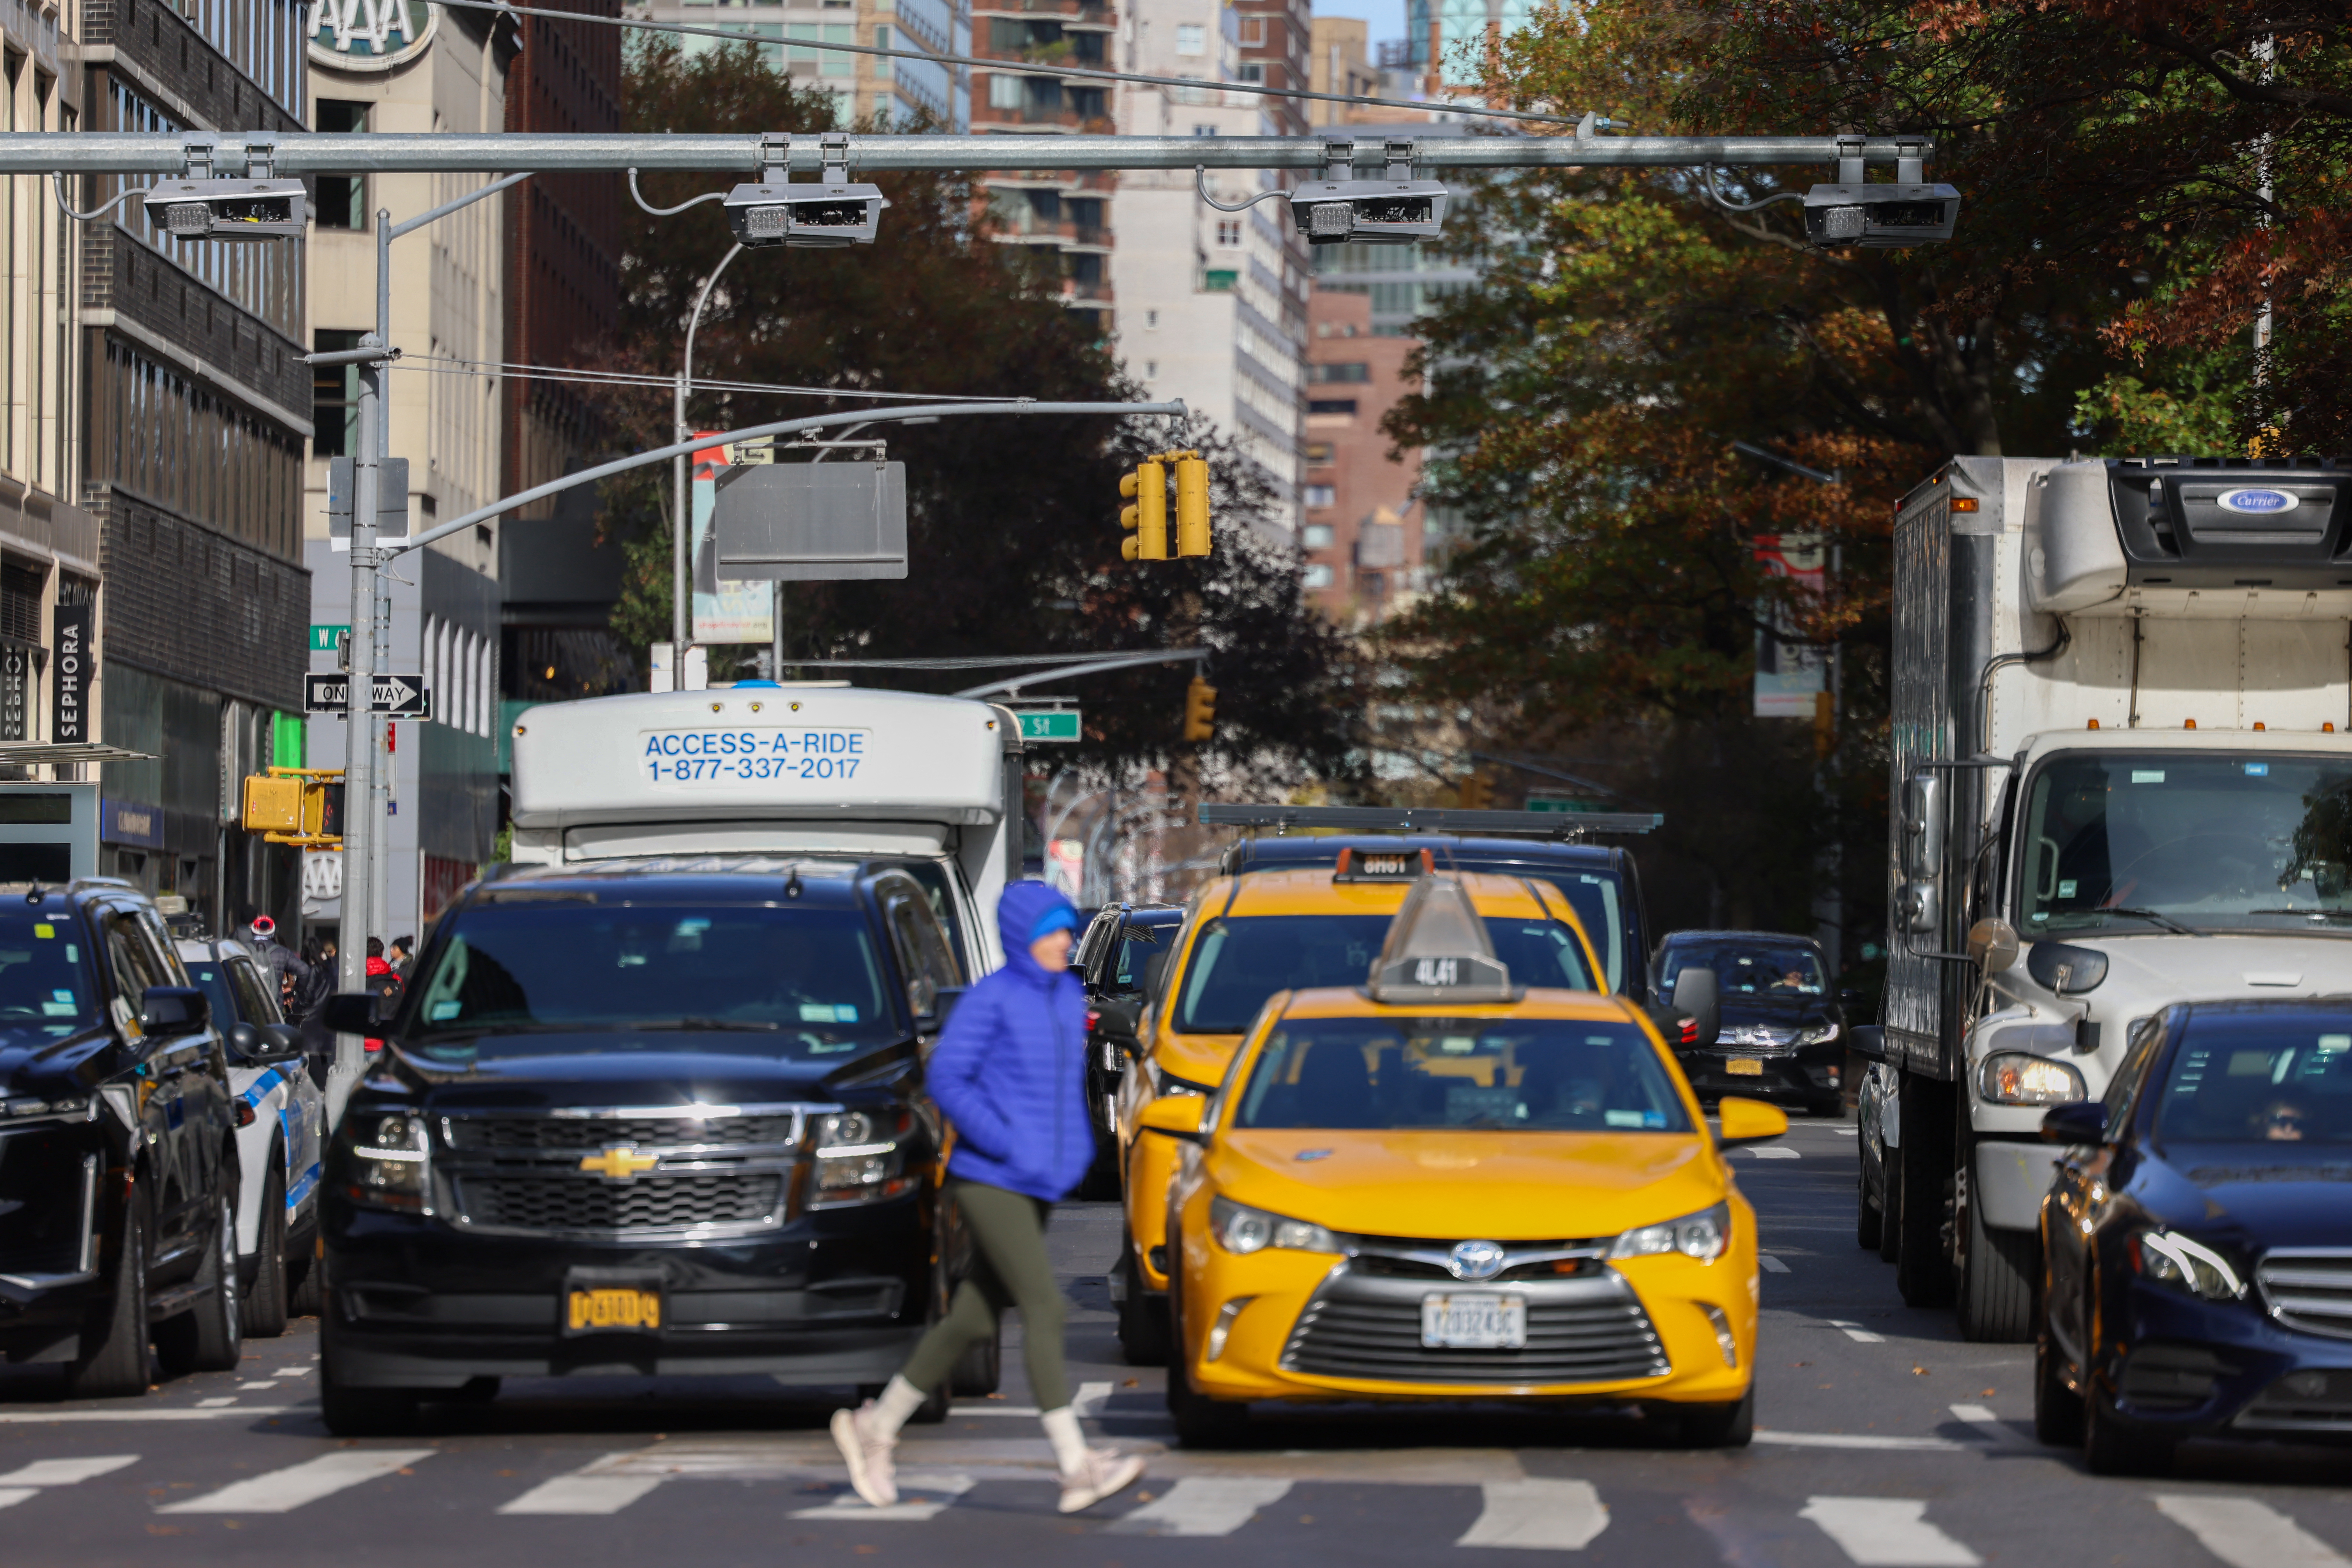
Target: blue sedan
2198,1240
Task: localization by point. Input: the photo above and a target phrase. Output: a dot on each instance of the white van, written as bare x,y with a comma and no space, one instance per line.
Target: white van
820,768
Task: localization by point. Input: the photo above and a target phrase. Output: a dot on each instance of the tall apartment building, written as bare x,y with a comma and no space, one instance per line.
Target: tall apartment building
868,87
1340,60
1445,41
1062,216
1210,304
183,356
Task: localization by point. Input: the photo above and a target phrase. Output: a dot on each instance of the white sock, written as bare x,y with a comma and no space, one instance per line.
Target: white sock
899,1401
1069,1443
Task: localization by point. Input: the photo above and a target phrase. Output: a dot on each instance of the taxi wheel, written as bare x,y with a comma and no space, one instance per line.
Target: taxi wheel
1729,1425
1142,1318
1201,1422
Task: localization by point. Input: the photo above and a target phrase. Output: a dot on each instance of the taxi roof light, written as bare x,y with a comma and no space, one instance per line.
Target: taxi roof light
1383,866
1437,951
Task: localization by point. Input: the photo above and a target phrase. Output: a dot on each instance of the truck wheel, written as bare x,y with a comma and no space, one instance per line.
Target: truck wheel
264,1303
1921,1271
210,1335
1997,1282
112,1362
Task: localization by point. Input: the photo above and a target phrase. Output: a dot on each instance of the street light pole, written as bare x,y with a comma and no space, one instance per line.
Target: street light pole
681,615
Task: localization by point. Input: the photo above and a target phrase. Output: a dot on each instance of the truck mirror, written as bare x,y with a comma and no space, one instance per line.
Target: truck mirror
1994,945
1923,825
1920,909
1696,996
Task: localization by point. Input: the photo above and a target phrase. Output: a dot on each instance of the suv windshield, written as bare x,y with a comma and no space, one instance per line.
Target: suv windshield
1746,967
1241,961
771,982
2196,839
2247,1080
1534,1075
45,981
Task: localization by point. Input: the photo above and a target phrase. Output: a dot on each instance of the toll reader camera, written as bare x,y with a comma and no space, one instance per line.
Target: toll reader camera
828,212
1880,217
1368,211
227,209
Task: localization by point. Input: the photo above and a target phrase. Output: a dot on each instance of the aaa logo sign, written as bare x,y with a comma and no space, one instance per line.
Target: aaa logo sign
369,35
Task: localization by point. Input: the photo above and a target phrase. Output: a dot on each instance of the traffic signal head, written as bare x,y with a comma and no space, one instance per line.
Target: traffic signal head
1880,217
1192,506
227,209
296,807
1146,520
273,804
1475,793
1199,710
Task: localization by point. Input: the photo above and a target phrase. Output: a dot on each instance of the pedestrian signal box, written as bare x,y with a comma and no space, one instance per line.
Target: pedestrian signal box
296,805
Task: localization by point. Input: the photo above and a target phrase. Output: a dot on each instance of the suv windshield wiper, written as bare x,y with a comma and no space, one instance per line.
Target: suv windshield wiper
2307,914
2152,917
715,1026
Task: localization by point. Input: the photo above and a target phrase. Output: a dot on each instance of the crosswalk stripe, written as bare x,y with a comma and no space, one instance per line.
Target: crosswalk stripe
589,1491
2244,1533
66,1472
1547,1515
282,1491
1775,1152
922,1496
11,1496
1856,1333
1770,1264
1886,1532
1203,1505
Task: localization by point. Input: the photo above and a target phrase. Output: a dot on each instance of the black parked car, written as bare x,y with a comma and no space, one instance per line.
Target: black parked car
1782,1032
2197,1239
1111,959
668,1120
117,1146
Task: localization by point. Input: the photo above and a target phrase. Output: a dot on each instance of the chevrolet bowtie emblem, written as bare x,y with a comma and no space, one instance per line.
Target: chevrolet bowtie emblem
619,1163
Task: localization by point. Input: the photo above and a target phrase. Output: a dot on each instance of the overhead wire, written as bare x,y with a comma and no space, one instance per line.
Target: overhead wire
434,364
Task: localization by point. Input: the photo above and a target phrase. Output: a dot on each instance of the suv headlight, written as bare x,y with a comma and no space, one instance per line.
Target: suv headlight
391,1162
860,1156
1241,1228
2172,1260
21,1110
1703,1235
2015,1077
1819,1035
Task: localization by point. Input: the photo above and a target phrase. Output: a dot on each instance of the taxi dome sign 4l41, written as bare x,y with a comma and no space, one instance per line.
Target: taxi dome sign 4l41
2257,503
369,35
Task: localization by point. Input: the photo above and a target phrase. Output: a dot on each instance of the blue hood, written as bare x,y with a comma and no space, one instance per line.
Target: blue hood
1018,913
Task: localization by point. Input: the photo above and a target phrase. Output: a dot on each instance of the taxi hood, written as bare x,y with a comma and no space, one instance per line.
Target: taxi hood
1501,1185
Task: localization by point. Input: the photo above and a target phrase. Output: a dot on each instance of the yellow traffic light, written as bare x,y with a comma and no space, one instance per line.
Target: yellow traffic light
296,805
1199,710
1475,793
1147,520
1192,505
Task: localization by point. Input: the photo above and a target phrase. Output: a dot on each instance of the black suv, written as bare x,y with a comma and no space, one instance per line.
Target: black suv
1780,1029
1112,958
117,1153
660,1118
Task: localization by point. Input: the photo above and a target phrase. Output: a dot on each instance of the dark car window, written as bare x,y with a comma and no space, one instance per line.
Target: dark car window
211,977
45,986
922,946
2124,1089
1747,966
2285,1079
256,999
1599,907
1138,945
1240,962
932,878
800,982
1532,1075
132,959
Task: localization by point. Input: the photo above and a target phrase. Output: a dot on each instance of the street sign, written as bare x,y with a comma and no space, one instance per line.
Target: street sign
401,696
327,639
1060,724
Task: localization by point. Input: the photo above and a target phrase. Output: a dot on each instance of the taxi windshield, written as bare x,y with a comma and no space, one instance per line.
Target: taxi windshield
45,982
1533,1075
1240,962
804,982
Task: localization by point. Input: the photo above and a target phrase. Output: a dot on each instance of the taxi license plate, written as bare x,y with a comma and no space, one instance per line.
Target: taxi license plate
1743,1067
1473,1323
602,1311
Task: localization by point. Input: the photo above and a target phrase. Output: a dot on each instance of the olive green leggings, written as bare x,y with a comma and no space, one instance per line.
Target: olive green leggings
1013,1270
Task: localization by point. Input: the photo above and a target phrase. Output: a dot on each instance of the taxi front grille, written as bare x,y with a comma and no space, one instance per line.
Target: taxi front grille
550,1134
1579,1332
648,1203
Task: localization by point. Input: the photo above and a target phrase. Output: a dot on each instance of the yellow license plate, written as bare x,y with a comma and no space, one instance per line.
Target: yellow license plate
589,1311
1743,1067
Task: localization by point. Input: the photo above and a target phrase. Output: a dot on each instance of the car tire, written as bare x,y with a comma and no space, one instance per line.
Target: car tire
350,1411
1201,1422
304,1279
2057,1409
1142,1317
1731,1426
210,1335
2113,1446
1996,1285
1869,1214
112,1362
264,1303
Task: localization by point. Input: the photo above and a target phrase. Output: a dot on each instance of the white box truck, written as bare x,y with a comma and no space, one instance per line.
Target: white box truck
2121,778
760,768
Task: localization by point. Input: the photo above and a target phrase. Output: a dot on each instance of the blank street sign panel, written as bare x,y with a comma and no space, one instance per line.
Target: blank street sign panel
811,522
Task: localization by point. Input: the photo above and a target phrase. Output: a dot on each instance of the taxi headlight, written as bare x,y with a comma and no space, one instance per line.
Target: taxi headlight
1703,1235
2014,1078
2170,1258
1242,1229
391,1161
860,1157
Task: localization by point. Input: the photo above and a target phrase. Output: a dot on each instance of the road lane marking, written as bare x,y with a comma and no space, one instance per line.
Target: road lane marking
1543,1515
11,1496
66,1472
1203,1505
2247,1534
144,1413
1770,1264
922,1495
282,1491
1092,1397
255,1386
1886,1532
1981,1418
1855,1331
592,1488
1775,1152
1857,1440
221,1402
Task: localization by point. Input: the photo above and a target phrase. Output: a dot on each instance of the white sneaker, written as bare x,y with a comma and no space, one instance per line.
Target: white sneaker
872,1470
1104,1472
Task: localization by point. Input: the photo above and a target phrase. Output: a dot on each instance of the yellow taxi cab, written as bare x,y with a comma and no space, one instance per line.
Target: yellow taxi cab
1245,938
1442,1186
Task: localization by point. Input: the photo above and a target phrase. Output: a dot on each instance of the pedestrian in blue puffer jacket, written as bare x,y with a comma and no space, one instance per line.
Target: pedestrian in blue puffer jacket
1010,1073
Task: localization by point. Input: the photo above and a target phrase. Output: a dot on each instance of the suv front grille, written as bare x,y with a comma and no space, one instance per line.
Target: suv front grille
572,1203
1586,1329
632,1173
549,1134
2308,1289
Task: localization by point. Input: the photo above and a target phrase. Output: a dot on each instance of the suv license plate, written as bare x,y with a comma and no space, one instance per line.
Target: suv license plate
1479,1322
1743,1067
605,1311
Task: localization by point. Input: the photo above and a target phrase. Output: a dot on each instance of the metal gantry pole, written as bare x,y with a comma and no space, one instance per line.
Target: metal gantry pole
681,618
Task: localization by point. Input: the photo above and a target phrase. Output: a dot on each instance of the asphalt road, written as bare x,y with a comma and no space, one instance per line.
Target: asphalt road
1883,1439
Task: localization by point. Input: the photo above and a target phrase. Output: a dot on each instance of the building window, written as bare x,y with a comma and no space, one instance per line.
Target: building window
1316,535
1252,32
1319,451
1203,130
1003,91
1318,577
1229,233
1353,373
882,62
1219,279
343,198
1322,496
1192,38
21,589
335,398
1331,405
1150,368
1251,73
1151,318
834,62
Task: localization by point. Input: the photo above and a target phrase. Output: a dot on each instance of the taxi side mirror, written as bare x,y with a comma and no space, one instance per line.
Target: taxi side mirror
1179,1116
1749,1121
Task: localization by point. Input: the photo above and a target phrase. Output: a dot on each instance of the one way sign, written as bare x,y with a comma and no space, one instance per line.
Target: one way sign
401,696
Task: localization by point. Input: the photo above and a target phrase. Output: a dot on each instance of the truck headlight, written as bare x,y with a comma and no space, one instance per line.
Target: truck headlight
1241,1228
391,1162
1703,1235
861,1157
2172,1260
2016,1078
